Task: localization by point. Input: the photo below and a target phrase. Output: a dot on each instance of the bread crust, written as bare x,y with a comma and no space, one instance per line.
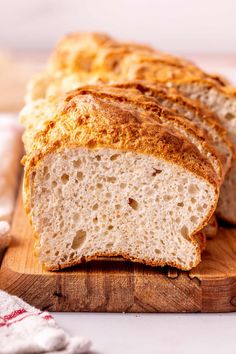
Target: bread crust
82,118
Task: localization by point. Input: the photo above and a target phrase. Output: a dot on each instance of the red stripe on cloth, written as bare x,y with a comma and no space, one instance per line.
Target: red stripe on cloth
13,314
20,319
48,317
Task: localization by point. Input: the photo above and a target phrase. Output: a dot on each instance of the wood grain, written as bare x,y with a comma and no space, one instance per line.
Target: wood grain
119,286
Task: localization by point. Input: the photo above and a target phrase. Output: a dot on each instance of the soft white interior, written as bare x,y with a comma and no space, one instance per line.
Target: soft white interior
225,108
86,202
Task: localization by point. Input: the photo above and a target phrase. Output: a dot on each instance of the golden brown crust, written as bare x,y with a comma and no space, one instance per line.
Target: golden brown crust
98,52
85,118
92,55
161,114
210,231
160,91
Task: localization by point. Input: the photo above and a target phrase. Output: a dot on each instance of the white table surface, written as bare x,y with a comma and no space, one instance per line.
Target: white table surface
154,333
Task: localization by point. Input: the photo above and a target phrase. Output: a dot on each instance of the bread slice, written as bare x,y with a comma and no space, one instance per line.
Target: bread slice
102,179
211,230
166,117
222,101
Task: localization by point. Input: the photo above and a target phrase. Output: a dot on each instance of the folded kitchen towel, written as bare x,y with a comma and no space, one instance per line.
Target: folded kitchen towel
11,150
25,329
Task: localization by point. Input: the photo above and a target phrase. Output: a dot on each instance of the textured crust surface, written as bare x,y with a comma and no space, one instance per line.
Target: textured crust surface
162,115
84,118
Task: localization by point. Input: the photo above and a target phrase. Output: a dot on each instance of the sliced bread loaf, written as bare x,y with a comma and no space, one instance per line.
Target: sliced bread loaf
103,178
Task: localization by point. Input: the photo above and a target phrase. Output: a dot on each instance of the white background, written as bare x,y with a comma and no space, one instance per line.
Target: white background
197,26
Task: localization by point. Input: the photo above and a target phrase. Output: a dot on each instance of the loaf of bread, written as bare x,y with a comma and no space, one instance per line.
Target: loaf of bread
105,175
131,163
92,58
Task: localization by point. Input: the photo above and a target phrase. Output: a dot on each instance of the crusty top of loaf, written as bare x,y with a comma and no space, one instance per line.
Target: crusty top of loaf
85,118
168,91
98,53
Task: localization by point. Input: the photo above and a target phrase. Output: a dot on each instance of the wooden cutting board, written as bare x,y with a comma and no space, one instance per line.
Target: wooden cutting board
119,286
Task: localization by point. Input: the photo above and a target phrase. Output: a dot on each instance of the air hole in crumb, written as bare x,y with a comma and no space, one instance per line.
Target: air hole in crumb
56,253
110,227
54,184
77,163
114,157
229,116
167,197
76,217
157,251
78,239
111,179
80,175
184,232
156,172
192,189
45,220
110,244
33,175
95,220
45,170
99,185
117,206
98,157
95,206
181,204
133,203
193,200
65,178
194,219
122,185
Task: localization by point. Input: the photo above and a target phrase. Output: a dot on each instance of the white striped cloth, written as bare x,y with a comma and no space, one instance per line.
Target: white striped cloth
26,330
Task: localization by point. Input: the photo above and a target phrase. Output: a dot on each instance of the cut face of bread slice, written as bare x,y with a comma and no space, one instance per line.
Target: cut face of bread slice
222,101
103,178
89,203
